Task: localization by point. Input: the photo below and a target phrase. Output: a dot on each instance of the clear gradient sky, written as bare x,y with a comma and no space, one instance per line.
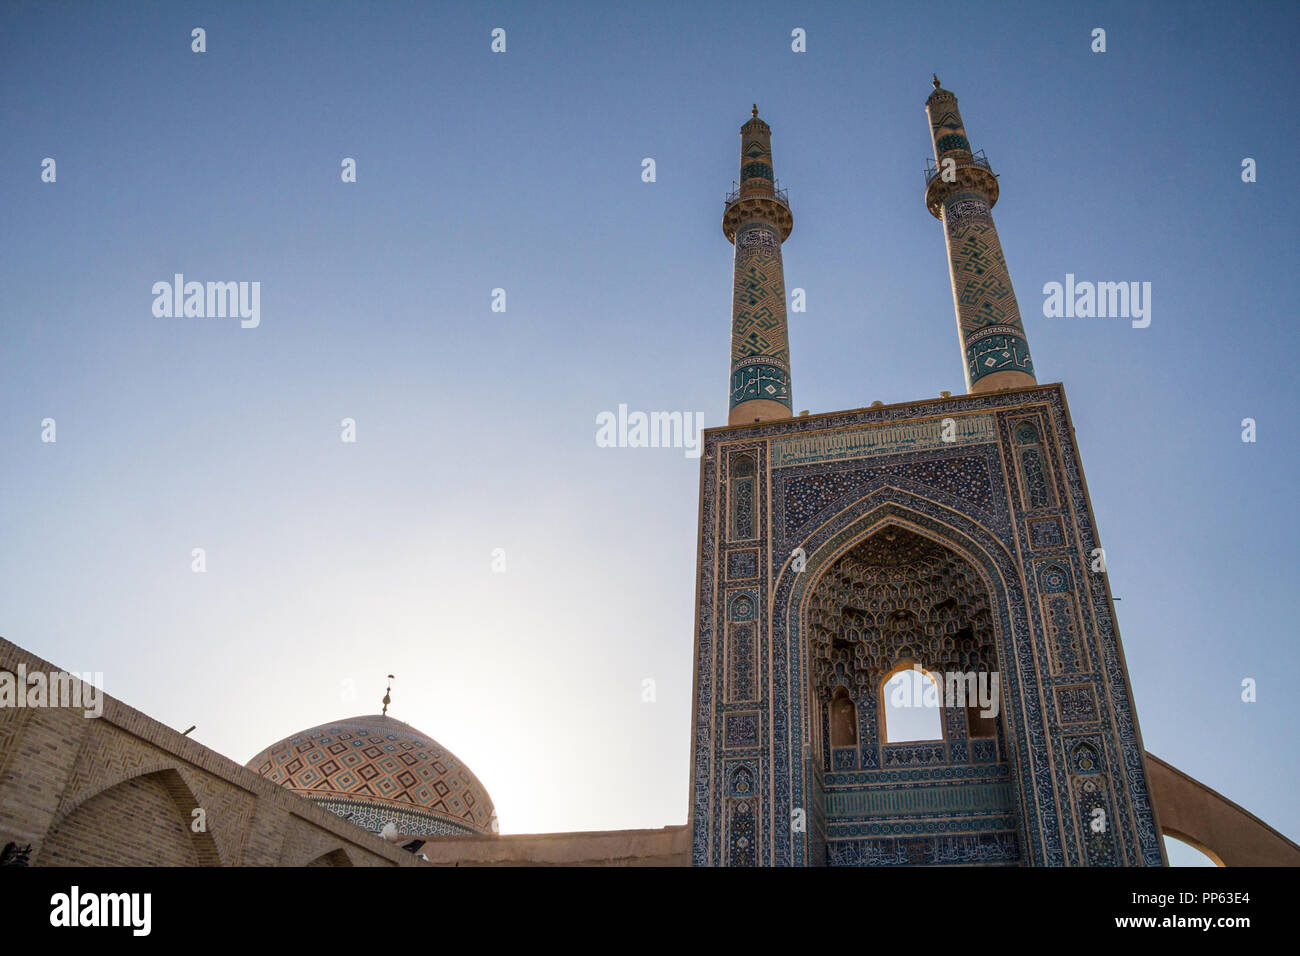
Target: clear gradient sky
330,562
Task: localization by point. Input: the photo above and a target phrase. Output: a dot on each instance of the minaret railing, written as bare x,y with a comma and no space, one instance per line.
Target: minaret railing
779,194
932,168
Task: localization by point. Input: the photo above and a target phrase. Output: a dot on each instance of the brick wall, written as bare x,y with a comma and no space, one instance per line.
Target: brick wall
121,789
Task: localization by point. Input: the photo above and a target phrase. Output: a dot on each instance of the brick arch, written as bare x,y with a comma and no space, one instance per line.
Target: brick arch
128,821
1208,821
100,778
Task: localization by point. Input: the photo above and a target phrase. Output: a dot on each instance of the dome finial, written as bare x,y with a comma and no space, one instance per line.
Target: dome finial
388,699
755,111
936,80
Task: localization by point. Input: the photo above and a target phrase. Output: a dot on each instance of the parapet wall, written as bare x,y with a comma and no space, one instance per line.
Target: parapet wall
670,846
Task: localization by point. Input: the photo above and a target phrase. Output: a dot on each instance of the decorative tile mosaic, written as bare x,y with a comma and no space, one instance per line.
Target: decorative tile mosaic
1046,533
742,564
1075,703
376,762
740,729
826,508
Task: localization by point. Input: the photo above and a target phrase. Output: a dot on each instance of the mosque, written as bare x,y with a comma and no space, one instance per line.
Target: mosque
948,537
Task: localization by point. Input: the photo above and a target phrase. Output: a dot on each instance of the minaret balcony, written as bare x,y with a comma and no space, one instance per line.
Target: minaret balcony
773,207
969,172
780,195
932,169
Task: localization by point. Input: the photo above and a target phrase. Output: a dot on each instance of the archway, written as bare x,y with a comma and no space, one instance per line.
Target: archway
145,820
898,603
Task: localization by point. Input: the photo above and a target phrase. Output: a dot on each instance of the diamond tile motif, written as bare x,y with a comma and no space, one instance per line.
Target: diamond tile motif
377,769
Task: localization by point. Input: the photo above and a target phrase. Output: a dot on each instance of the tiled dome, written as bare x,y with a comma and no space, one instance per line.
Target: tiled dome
375,770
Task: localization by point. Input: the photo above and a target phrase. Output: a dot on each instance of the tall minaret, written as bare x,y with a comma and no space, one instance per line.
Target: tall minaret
757,219
961,194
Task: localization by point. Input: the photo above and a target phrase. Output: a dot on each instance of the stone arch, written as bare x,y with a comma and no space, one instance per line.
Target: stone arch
142,820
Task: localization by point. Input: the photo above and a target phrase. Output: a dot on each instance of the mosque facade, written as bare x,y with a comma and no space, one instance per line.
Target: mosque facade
949,537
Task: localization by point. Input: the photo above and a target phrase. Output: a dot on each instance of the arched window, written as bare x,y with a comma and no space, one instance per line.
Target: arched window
911,700
843,719
981,721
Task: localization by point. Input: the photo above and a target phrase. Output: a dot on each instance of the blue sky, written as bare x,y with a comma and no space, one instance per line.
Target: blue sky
331,562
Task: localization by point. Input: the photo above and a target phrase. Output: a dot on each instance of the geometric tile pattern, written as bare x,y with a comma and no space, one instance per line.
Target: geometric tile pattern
373,817
374,762
758,304
740,662
952,141
760,349
982,290
988,317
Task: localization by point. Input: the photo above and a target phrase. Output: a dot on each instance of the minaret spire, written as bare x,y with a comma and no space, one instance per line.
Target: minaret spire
757,219
961,194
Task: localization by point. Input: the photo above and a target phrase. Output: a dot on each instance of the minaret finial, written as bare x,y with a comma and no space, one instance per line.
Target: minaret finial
388,698
755,111
936,80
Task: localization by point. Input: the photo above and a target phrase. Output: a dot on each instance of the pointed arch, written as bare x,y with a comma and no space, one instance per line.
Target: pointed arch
842,716
146,819
996,571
